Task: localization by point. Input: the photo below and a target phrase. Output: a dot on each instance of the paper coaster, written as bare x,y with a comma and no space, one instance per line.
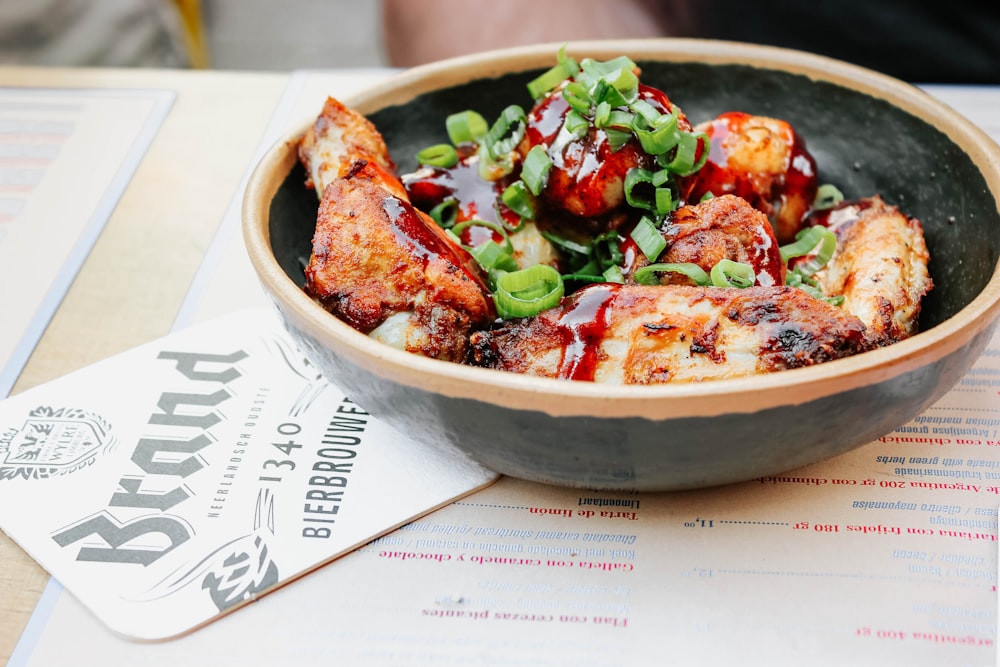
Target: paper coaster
175,482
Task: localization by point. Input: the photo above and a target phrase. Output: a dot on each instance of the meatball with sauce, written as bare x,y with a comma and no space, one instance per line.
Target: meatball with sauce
588,175
762,160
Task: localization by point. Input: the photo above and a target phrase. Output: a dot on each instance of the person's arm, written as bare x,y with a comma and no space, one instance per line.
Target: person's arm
420,31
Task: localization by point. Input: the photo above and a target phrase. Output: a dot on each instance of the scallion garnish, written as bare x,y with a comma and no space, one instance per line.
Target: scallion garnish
527,292
660,135
535,169
445,213
613,274
438,155
506,133
647,275
493,257
727,273
565,68
827,196
492,226
466,127
642,191
686,160
517,198
648,238
577,97
817,242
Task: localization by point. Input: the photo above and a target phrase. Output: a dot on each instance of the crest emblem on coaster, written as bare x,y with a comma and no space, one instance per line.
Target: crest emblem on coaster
52,442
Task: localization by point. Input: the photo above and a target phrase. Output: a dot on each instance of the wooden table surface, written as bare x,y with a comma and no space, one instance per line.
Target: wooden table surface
159,231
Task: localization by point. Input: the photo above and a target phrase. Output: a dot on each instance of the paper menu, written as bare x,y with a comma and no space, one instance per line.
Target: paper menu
65,158
179,480
845,562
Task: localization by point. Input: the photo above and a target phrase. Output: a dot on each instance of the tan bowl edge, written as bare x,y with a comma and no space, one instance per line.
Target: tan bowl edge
743,395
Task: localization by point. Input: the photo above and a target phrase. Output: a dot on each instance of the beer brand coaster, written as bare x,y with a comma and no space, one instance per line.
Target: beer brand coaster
178,481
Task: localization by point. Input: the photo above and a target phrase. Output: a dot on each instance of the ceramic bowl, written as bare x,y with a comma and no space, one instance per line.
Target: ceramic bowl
869,133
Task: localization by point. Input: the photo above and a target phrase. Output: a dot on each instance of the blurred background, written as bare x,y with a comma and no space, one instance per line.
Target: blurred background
957,41
222,34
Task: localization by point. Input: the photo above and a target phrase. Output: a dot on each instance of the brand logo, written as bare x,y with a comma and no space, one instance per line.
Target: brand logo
52,442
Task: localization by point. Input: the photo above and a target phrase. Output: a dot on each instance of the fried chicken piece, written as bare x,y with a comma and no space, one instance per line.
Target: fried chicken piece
764,161
337,139
377,263
880,267
389,271
725,227
636,334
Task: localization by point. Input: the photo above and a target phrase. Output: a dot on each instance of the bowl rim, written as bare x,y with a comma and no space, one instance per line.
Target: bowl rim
658,402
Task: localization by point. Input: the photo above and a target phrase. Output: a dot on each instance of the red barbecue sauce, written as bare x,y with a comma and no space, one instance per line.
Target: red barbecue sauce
427,241
582,326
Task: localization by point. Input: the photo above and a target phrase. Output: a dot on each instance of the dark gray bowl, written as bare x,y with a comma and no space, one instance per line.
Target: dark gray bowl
869,133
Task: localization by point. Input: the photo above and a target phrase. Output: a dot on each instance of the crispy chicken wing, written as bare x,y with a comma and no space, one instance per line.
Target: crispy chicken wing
636,334
725,227
762,160
337,139
377,262
880,267
389,271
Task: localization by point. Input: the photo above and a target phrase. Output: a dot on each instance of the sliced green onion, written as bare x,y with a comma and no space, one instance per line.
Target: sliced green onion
634,178
617,139
506,133
566,245
565,68
445,213
605,92
827,196
647,111
527,292
728,273
818,242
661,136
466,127
578,97
575,124
606,250
517,198
548,80
648,238
686,160
492,226
492,256
619,72
438,155
613,274
707,196
647,274
584,276
620,120
658,200
535,170
663,200
602,114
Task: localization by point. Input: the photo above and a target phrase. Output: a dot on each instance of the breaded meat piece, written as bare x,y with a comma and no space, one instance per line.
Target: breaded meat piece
337,139
880,267
389,271
637,334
